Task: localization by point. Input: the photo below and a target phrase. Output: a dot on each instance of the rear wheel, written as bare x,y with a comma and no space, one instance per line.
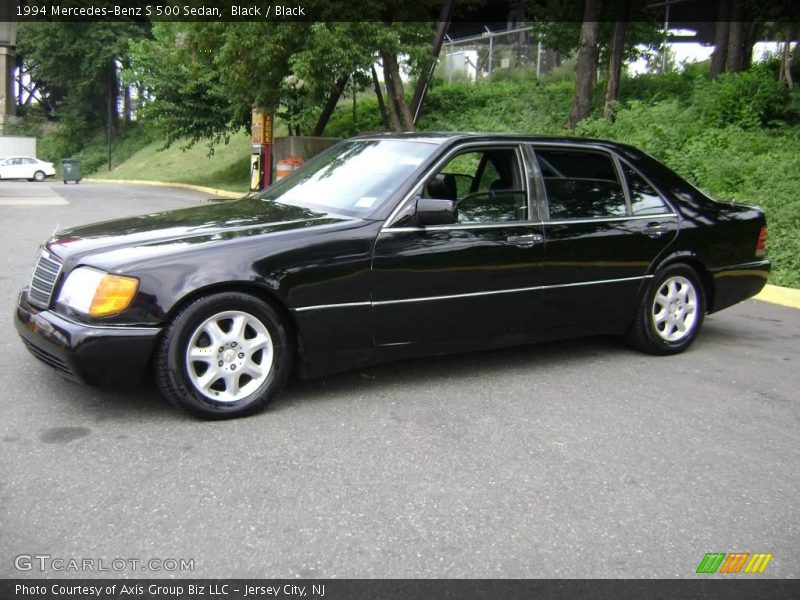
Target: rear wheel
38,176
223,356
671,313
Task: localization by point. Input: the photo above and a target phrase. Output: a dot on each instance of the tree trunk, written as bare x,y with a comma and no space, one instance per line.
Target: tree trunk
396,93
751,32
391,108
787,45
379,96
330,105
788,58
615,58
427,70
735,60
126,105
587,64
720,54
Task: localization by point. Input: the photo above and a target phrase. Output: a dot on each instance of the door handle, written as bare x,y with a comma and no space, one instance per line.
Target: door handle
524,241
655,230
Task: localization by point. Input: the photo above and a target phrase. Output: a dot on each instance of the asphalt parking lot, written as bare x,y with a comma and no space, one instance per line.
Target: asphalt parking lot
572,459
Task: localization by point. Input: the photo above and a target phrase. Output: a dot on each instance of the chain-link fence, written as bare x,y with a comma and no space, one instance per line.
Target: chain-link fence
478,56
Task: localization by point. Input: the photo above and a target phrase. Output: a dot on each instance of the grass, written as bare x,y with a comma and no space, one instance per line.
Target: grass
228,168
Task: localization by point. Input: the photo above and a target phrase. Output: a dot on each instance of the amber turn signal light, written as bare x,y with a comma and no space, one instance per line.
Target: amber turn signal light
113,295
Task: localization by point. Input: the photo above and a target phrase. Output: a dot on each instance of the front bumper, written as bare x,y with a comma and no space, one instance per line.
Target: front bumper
96,355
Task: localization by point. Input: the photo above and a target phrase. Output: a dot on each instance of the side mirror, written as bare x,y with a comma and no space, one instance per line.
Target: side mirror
436,211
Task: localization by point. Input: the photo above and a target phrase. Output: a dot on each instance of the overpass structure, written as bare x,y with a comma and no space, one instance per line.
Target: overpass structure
8,102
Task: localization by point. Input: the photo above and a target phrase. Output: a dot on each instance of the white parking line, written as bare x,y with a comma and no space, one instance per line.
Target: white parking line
33,201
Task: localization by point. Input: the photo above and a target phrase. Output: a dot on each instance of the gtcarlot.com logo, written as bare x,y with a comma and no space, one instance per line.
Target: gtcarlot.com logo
46,562
734,562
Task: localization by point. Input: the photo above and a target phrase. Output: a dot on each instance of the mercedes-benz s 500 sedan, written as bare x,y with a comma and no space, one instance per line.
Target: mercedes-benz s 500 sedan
390,246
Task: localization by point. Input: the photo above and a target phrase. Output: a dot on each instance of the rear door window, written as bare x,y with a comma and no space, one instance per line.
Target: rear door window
580,184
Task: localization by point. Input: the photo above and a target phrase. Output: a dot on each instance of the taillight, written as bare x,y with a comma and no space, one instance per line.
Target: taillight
761,244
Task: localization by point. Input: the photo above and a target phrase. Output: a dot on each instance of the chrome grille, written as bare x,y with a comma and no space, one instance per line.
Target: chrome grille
45,275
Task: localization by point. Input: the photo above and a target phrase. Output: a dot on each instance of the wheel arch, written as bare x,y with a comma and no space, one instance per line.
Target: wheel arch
693,261
252,289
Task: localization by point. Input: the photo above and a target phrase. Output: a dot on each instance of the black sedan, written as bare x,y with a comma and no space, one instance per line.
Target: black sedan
385,247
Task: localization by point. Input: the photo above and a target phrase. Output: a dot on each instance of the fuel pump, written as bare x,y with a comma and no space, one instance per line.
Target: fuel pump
261,157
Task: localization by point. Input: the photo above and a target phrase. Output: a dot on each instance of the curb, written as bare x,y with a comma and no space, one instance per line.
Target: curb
776,294
185,186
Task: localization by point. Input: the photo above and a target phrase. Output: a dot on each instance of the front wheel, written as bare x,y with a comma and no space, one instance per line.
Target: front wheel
225,355
671,313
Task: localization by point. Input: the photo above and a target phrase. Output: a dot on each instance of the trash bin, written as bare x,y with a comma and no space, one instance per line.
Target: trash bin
71,169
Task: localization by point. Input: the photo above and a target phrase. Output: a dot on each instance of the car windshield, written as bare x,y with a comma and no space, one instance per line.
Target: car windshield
353,178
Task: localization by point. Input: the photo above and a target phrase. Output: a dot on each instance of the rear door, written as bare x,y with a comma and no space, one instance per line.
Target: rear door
469,279
604,224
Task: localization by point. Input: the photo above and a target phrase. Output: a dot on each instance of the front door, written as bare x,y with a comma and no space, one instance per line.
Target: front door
470,279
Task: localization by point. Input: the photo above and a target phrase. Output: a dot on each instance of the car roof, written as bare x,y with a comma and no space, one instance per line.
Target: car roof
448,137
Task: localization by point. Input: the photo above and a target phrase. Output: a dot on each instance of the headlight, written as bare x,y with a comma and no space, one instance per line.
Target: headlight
96,293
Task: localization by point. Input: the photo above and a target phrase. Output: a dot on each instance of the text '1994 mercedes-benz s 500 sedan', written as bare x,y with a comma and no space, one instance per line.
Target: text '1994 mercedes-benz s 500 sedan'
385,247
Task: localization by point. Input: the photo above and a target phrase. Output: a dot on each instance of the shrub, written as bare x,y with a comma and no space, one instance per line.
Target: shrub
368,118
749,99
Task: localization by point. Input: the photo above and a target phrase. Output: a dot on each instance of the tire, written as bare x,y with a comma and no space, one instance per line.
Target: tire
208,341
671,312
38,176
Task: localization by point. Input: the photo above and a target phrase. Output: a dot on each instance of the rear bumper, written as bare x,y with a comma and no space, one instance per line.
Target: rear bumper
735,283
95,355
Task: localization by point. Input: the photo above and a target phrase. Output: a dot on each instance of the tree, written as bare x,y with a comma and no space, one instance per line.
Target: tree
77,65
204,78
587,63
183,95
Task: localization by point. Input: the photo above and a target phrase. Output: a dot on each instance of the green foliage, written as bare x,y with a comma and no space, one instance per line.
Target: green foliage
368,118
752,98
177,67
523,106
516,74
94,155
204,78
652,87
561,73
75,63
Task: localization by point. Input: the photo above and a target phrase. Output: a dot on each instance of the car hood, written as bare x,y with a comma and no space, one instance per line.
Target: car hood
205,223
